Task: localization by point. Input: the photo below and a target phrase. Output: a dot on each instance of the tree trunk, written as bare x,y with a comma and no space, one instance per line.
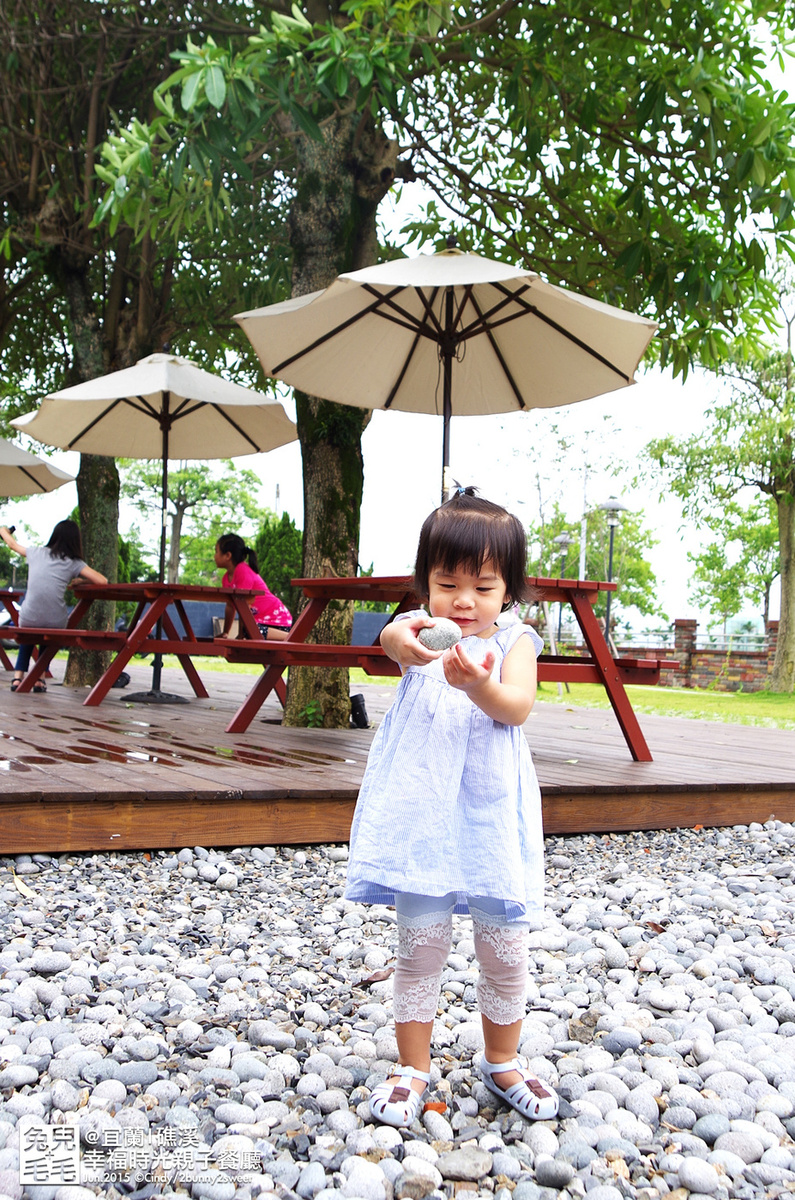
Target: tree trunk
97,479
98,499
172,563
782,678
332,223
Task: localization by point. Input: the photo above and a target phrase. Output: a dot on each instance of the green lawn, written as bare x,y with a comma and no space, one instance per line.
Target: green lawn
742,708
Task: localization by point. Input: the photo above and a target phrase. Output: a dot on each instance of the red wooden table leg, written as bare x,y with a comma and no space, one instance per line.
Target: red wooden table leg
40,665
136,639
270,678
610,675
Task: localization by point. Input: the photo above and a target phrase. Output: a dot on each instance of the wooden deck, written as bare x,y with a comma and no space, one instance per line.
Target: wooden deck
137,776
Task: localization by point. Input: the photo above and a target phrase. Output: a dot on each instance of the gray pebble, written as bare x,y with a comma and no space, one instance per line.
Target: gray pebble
554,1172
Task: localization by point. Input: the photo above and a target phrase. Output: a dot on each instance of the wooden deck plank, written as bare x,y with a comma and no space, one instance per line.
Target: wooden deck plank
137,776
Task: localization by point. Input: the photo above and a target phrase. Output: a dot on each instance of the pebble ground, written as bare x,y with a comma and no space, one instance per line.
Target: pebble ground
235,998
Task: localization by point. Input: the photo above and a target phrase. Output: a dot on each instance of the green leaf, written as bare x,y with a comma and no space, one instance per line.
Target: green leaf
306,122
630,258
179,165
341,79
745,165
190,90
215,87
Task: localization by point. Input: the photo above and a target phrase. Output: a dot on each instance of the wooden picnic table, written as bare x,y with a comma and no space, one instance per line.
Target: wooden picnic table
152,630
598,666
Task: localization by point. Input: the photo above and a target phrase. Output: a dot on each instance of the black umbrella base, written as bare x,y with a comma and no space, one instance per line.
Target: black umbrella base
155,696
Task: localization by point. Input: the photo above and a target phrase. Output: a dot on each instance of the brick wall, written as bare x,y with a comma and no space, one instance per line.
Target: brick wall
722,670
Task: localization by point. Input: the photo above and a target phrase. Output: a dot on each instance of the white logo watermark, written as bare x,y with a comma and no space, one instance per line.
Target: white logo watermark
51,1154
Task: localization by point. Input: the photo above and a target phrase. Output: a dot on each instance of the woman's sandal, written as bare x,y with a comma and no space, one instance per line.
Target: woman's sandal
397,1103
15,684
533,1099
40,687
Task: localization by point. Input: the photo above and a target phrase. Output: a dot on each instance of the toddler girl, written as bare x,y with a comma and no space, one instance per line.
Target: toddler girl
449,814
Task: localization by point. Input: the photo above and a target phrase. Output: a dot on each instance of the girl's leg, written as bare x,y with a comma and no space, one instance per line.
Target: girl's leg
425,935
24,653
502,952
501,949
425,926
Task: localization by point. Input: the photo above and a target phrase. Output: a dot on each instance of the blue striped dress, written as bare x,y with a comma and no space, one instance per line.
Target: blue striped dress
450,800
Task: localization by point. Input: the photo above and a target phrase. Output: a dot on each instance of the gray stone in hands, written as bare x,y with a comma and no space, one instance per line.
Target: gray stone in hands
441,635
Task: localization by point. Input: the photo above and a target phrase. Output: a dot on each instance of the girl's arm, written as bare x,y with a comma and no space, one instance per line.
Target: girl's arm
11,541
91,576
399,640
507,700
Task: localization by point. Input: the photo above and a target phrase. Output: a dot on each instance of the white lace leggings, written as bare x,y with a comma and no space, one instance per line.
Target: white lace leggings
425,935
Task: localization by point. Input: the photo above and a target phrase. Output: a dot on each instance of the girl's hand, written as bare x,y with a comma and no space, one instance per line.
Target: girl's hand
461,672
507,698
400,642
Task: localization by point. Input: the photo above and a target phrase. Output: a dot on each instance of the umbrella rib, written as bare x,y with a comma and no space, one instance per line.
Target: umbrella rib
430,315
326,337
184,411
100,417
32,479
235,426
534,311
403,369
477,327
500,359
458,319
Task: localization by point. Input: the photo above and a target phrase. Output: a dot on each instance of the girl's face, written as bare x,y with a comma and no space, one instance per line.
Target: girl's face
223,559
473,601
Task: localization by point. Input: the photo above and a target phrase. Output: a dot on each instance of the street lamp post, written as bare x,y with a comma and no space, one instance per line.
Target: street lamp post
563,541
612,507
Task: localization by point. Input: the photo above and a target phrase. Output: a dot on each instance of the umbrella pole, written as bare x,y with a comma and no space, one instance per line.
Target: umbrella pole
155,695
446,350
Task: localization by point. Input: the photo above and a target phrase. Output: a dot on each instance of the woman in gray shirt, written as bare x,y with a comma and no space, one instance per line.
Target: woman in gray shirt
51,569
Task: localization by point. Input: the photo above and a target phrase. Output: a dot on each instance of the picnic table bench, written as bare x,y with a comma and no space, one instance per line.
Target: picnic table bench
598,666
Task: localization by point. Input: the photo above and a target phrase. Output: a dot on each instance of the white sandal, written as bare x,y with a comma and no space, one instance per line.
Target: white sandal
397,1103
533,1099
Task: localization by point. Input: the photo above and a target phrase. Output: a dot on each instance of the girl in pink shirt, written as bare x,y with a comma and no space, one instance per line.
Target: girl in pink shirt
239,562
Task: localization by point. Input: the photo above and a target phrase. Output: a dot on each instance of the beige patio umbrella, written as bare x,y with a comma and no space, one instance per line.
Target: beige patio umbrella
23,474
163,407
450,333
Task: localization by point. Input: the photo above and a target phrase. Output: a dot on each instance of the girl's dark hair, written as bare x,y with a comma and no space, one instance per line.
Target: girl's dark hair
65,541
232,543
467,532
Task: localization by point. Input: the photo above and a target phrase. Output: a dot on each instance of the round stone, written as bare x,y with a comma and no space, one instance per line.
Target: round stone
469,1163
554,1172
441,635
710,1127
699,1176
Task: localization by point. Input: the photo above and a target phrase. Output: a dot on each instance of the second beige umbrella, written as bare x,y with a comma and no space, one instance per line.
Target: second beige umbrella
163,407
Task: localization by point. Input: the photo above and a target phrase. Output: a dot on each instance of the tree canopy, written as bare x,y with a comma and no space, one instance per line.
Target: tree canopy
638,153
632,572
748,443
203,503
741,563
